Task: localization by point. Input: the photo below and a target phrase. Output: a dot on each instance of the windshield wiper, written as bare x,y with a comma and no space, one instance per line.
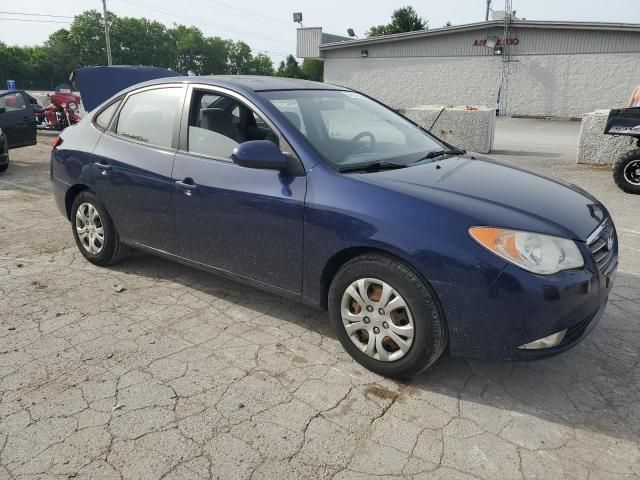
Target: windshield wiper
439,153
371,167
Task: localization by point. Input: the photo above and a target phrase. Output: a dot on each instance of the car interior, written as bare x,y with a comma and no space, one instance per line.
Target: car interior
217,124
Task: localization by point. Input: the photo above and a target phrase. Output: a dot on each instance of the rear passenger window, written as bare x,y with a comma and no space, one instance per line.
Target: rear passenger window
218,124
104,118
150,116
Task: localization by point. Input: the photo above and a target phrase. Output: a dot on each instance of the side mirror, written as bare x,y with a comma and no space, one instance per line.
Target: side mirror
2,109
262,154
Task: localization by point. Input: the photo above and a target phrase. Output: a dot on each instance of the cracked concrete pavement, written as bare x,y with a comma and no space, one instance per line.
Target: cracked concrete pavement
185,375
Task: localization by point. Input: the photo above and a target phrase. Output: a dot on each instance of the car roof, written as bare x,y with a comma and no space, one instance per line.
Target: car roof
247,83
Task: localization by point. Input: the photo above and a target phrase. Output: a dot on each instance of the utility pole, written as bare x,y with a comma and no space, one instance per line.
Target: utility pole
106,32
486,15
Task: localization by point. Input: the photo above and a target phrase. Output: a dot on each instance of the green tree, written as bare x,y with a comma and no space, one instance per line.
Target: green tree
261,64
189,43
290,68
239,58
216,56
86,38
403,19
134,41
313,69
137,41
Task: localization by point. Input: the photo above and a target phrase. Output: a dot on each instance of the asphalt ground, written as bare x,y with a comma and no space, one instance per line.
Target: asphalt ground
186,375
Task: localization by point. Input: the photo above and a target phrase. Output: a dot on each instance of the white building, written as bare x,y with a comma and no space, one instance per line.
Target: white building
560,69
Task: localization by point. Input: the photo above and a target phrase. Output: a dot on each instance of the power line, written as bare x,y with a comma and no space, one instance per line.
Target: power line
248,15
36,14
33,20
197,20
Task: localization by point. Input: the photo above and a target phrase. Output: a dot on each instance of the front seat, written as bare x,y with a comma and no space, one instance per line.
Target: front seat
220,121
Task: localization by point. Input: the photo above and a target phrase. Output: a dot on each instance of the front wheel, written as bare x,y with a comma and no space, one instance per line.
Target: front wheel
94,232
626,172
386,317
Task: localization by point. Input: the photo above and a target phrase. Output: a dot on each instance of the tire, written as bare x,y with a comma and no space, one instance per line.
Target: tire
4,167
111,250
429,338
622,174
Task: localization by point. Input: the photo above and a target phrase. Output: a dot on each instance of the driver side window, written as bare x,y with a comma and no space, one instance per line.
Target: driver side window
218,124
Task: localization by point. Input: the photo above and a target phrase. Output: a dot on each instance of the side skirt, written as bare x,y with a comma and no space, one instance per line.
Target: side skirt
223,273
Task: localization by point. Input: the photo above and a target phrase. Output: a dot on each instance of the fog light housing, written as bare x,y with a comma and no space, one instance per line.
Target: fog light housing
552,340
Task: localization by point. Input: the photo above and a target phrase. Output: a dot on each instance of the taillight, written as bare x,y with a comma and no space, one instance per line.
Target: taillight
57,142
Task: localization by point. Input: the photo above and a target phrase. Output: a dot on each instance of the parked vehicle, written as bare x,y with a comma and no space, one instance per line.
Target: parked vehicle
61,113
626,171
17,124
324,195
4,152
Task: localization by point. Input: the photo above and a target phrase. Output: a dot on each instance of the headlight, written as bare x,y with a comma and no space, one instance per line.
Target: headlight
72,106
534,252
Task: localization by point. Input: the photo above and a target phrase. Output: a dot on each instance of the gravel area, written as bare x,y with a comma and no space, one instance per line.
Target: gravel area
152,370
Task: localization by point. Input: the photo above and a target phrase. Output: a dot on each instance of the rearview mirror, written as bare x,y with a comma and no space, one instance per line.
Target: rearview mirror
262,154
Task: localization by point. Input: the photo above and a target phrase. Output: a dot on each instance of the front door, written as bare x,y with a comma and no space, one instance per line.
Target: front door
17,119
133,163
245,221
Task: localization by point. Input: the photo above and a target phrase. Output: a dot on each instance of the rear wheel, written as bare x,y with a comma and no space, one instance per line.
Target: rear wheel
626,172
94,231
385,316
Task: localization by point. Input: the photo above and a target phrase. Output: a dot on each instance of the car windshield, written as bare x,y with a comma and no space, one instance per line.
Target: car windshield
348,129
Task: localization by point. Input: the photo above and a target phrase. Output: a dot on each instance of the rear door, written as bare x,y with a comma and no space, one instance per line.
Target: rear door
134,160
17,119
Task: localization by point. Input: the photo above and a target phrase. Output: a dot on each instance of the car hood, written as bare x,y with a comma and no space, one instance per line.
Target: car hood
497,194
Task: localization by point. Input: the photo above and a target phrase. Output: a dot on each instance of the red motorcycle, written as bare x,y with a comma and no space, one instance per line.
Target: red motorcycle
61,113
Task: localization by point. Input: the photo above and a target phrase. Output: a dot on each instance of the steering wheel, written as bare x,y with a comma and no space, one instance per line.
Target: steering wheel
353,146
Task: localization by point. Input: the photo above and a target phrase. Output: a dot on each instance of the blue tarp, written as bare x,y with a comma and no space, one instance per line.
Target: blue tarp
97,84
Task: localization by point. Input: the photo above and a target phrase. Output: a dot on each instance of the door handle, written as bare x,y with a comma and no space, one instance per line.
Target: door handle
187,185
103,166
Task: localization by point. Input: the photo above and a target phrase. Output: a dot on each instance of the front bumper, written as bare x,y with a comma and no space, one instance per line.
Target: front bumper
521,307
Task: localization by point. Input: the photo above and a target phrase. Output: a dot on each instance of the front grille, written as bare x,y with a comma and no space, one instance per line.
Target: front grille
603,245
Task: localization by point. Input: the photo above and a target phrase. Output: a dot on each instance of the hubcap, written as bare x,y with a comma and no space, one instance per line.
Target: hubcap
377,319
90,229
632,172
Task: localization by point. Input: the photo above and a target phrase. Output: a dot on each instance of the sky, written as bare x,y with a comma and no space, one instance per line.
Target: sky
267,25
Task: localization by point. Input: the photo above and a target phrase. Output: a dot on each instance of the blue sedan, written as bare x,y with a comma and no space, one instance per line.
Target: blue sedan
326,196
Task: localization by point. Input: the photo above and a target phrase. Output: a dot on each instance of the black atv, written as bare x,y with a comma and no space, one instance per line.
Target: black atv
626,171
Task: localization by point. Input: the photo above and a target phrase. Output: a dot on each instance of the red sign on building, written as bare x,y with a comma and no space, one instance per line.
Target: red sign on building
482,42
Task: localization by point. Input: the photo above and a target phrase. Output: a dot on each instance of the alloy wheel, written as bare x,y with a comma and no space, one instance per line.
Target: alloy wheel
377,319
90,228
632,172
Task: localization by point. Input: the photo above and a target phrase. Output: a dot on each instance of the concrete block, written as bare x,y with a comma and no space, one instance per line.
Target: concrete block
596,148
468,129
